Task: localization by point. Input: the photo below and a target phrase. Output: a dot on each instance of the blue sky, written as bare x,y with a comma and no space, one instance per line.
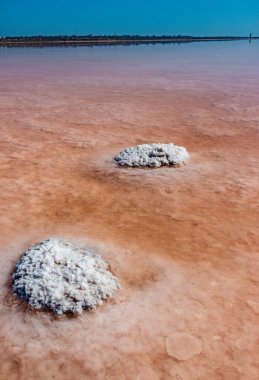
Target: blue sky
211,17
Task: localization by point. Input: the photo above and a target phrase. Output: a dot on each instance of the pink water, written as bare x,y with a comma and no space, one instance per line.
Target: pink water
182,241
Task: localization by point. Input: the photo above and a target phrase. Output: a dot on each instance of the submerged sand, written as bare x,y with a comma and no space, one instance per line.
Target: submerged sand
183,242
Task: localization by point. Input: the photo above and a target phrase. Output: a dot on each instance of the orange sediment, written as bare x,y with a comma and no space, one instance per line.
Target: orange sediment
183,242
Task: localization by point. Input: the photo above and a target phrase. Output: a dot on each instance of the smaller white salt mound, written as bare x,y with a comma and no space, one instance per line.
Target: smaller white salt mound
152,155
63,278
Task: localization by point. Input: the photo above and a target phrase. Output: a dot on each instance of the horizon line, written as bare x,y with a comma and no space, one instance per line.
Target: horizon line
115,35
112,40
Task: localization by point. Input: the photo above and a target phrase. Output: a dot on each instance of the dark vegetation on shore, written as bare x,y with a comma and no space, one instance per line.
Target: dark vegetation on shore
109,40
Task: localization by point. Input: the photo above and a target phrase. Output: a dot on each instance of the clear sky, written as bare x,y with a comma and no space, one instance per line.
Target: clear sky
211,17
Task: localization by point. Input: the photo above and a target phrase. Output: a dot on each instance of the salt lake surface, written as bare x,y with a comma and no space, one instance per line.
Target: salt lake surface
183,242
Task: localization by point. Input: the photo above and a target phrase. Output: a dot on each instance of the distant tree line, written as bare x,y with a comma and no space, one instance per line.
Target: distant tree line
111,39
91,37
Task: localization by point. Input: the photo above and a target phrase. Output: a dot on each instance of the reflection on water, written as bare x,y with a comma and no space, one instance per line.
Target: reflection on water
183,242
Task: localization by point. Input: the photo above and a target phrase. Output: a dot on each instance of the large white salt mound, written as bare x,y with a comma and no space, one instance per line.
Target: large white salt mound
63,278
152,155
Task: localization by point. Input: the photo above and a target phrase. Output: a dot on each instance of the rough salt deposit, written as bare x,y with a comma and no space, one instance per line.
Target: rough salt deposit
61,277
152,155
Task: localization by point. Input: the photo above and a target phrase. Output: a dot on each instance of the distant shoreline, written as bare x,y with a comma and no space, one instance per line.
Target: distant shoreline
42,41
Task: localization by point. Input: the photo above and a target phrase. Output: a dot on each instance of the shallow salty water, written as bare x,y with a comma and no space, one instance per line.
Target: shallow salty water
182,241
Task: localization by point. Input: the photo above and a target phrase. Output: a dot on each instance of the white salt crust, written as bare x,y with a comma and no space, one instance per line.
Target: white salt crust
63,278
152,155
